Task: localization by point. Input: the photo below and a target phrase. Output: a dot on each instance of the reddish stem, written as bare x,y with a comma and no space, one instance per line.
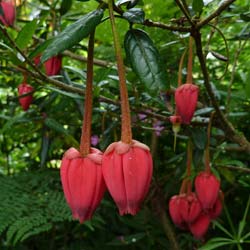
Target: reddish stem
180,68
190,61
86,127
189,163
207,151
126,133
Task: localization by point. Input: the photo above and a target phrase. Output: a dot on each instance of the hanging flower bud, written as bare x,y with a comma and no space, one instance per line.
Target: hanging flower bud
190,207
9,13
25,101
200,226
37,60
186,97
175,210
82,182
127,170
207,187
53,65
216,209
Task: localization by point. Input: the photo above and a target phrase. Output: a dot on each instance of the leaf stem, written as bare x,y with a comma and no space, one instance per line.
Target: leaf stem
189,163
190,61
86,127
126,133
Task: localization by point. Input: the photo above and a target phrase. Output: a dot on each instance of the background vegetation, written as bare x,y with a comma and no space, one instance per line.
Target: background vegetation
33,212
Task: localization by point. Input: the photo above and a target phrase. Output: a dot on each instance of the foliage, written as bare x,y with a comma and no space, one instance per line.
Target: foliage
33,212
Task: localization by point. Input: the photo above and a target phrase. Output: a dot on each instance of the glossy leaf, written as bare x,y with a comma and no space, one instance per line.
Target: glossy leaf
145,60
65,6
25,35
73,34
197,5
134,15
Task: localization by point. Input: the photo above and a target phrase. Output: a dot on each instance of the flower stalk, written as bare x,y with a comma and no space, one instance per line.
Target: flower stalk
126,132
87,117
190,61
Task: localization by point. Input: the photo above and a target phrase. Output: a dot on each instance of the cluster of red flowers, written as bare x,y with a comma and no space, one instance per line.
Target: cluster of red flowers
194,210
52,67
125,169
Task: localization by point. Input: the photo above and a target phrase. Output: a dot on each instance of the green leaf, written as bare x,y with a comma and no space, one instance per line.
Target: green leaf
40,48
197,5
145,60
215,243
134,15
25,35
247,87
199,137
73,34
65,6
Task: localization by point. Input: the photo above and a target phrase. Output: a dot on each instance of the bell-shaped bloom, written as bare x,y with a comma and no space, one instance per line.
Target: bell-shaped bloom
175,210
53,65
207,188
190,207
9,13
82,182
200,226
25,101
127,170
216,210
186,97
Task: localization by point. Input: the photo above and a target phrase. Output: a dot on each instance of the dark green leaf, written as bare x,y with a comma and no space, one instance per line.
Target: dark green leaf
134,15
45,147
247,88
25,35
65,6
40,48
197,5
245,16
199,137
145,60
73,34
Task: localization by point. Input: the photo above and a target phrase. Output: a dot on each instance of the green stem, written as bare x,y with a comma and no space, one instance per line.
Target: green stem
190,61
126,133
86,127
207,151
181,67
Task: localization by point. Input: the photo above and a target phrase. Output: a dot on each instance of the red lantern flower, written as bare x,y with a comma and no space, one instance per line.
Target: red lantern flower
53,65
216,209
190,207
25,101
9,13
175,207
127,170
207,187
82,182
186,97
200,226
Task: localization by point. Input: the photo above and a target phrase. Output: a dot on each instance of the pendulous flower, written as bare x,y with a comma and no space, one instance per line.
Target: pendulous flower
186,97
207,188
9,13
82,182
53,65
25,101
200,226
127,170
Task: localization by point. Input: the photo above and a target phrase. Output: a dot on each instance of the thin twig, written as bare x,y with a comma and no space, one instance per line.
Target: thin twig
216,13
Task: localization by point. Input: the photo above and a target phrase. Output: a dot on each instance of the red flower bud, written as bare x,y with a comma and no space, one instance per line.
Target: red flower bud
9,13
127,170
53,65
200,226
190,207
186,97
25,101
37,60
216,209
175,211
82,182
207,187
